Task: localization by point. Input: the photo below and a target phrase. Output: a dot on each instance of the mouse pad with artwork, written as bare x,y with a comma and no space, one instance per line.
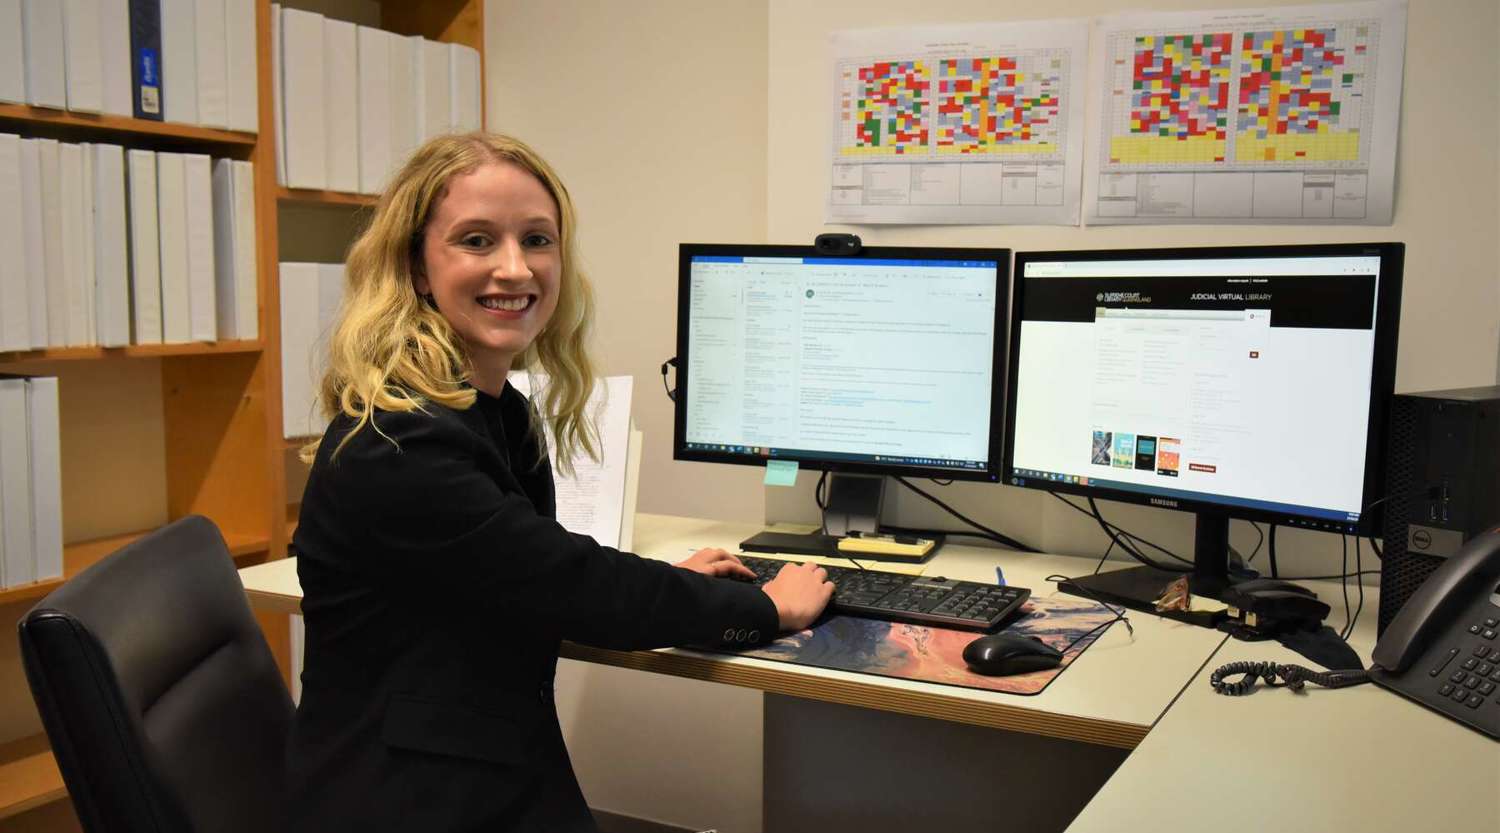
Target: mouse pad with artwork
935,655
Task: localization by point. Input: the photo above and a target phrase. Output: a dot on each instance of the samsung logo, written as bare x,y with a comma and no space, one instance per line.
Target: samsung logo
1161,501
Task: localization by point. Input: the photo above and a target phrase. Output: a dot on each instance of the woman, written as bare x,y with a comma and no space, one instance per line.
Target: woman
436,583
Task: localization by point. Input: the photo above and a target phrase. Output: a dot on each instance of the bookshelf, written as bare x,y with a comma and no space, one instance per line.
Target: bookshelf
216,407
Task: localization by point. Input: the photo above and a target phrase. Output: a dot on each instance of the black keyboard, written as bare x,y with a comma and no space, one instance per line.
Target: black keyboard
920,600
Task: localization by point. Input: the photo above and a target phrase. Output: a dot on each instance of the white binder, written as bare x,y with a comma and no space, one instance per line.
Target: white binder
35,262
306,133
179,61
12,53
240,50
341,99
77,246
111,255
17,564
46,476
49,153
46,78
114,57
299,325
374,109
145,257
278,100
234,248
405,123
202,297
15,310
81,39
464,85
433,93
210,41
171,214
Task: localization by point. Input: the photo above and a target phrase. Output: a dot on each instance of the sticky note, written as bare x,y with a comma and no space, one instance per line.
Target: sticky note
781,472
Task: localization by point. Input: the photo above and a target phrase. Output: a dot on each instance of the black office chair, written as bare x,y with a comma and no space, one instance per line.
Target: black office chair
156,687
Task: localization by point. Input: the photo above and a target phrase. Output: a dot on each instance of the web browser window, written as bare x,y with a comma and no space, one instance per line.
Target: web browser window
1240,380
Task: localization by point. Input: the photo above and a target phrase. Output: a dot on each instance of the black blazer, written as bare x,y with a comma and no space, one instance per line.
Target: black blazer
436,587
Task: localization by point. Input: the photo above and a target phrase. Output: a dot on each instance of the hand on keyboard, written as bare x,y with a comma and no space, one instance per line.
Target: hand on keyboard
800,592
716,562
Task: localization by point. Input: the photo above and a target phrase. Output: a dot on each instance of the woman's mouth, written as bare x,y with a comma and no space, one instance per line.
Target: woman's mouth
507,303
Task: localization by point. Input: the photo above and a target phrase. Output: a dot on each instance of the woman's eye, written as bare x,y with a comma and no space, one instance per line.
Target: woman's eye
536,240
475,241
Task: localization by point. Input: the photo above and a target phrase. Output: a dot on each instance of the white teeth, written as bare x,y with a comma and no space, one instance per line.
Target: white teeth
507,304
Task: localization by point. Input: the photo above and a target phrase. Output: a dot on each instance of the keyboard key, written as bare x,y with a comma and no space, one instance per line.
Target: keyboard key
1446,690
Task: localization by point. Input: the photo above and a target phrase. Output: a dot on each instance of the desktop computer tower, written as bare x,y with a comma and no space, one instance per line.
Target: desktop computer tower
1442,484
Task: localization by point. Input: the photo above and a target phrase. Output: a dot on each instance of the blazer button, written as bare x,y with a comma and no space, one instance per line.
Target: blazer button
729,634
739,635
755,636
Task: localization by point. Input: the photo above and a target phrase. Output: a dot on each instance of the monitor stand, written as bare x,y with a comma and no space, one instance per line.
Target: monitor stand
853,507
1138,588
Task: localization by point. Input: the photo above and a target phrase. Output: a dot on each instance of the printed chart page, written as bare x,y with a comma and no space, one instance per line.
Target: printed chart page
973,124
593,501
1285,115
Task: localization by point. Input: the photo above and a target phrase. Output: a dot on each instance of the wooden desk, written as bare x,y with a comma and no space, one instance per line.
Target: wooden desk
1111,696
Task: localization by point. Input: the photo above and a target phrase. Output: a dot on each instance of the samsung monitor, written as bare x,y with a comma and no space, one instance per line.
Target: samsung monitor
884,362
1249,382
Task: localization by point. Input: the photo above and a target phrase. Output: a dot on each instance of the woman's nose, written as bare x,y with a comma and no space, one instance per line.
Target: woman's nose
510,261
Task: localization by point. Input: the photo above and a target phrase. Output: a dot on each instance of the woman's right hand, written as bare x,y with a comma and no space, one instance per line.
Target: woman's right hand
800,592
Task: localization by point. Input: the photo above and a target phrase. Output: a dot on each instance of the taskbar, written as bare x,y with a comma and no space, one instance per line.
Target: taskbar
773,453
1306,517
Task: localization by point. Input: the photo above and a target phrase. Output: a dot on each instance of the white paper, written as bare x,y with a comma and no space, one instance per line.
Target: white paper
592,501
1282,115
965,124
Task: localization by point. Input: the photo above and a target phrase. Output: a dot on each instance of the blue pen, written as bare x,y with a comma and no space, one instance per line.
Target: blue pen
999,576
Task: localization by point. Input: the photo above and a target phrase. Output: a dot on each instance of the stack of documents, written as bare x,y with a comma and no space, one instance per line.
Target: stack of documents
310,294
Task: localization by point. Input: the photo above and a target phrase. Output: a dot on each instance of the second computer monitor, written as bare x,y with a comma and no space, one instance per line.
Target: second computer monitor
886,362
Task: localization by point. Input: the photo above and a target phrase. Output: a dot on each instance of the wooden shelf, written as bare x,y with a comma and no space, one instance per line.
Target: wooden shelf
28,776
305,196
134,351
77,557
67,125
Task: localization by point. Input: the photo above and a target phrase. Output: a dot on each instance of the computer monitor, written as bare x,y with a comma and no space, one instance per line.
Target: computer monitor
886,362
1248,382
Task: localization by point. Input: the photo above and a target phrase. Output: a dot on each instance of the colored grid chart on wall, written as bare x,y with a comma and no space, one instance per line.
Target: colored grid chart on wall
885,108
1178,100
1007,105
1302,93
978,123
1253,115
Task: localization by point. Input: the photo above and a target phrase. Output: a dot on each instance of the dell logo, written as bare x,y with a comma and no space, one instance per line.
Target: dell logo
1421,539
1161,501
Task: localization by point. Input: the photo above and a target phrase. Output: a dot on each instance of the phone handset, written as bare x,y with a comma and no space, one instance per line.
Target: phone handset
1475,568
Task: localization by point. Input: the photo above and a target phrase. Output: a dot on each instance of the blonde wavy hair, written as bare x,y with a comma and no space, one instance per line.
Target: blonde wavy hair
391,350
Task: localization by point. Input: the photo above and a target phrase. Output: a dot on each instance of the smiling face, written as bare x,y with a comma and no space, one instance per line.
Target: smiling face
492,262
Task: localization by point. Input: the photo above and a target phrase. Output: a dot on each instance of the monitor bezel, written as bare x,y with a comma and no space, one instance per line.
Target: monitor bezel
998,364
1382,379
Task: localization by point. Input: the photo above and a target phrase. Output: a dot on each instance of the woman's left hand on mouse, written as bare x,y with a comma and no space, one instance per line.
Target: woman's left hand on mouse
716,562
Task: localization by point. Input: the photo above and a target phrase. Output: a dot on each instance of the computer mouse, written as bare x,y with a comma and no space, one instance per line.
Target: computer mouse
1002,654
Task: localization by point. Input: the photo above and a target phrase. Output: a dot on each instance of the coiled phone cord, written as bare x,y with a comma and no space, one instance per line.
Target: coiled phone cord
1293,677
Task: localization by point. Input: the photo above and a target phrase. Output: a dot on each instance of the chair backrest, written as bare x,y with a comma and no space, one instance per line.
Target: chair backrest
162,701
